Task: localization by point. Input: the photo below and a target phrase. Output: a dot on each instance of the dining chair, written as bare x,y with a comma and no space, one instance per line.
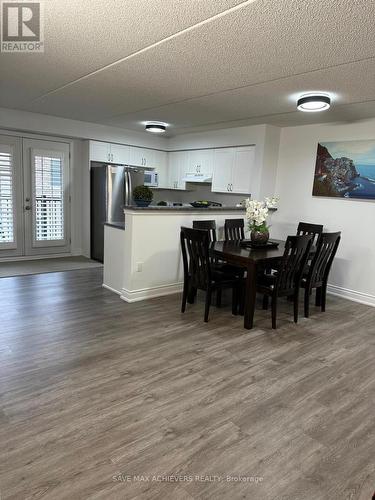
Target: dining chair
286,279
199,272
319,269
208,225
234,229
313,229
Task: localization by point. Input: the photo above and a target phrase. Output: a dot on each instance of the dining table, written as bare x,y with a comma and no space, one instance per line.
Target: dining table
253,260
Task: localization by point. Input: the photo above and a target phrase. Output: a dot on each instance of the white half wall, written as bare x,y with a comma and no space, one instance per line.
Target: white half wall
353,273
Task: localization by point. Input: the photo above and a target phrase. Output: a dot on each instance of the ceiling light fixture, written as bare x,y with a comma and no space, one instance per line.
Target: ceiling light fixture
312,103
156,127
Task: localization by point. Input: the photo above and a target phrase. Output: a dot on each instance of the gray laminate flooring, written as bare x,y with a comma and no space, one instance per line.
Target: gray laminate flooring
100,399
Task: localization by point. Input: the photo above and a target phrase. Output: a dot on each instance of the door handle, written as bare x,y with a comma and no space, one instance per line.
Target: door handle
27,207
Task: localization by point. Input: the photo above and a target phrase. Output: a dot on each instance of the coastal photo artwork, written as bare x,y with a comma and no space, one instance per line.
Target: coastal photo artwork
345,169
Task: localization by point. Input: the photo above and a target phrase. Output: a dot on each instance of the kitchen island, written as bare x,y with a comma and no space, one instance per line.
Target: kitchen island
143,260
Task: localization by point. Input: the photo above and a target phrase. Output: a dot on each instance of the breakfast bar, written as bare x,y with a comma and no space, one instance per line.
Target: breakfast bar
143,259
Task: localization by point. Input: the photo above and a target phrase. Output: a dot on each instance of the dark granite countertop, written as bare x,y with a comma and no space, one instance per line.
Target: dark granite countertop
185,209
117,225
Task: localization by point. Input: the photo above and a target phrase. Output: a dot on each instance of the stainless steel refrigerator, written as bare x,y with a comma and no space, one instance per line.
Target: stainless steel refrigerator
111,189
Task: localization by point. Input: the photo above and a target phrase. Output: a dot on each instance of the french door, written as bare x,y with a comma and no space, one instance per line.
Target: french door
34,197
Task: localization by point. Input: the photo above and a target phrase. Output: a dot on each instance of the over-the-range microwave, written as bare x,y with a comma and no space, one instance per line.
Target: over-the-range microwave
151,178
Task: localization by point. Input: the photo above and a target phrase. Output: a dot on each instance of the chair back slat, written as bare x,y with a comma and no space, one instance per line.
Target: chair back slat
313,229
234,229
195,254
323,258
208,225
296,252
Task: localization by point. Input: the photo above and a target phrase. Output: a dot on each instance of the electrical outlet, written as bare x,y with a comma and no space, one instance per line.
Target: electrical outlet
139,267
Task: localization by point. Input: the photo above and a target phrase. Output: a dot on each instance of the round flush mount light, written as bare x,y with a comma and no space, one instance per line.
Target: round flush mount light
156,127
312,103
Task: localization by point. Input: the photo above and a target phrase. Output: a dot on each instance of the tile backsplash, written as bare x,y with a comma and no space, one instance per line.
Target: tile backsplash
197,192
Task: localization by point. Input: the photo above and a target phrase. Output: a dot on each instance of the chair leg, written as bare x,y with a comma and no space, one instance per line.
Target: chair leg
184,296
218,297
207,305
191,294
296,304
318,297
274,310
307,302
235,299
265,302
324,297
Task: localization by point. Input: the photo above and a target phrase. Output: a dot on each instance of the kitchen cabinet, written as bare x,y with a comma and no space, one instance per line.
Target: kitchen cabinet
106,152
233,170
161,167
120,153
100,151
176,169
200,161
142,157
223,170
243,170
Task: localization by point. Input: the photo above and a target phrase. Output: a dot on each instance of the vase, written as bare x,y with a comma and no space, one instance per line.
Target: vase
142,203
259,237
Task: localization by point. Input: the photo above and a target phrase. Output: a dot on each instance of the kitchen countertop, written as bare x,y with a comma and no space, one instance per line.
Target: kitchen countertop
185,209
117,225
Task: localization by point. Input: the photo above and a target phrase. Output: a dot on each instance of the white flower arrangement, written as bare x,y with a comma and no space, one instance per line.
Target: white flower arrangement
257,213
272,201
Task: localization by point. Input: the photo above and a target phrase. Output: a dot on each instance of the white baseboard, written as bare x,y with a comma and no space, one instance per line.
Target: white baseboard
107,287
35,257
150,293
362,298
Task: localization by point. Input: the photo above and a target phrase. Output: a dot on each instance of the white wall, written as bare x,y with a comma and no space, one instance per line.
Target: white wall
353,273
24,123
11,119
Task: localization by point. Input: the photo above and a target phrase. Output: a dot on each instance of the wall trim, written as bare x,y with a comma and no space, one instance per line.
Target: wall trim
150,293
18,258
107,287
353,295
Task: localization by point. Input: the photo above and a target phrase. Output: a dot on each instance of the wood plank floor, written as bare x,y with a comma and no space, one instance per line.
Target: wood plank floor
94,391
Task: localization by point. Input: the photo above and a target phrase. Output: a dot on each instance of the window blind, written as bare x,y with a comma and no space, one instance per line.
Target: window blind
49,198
6,198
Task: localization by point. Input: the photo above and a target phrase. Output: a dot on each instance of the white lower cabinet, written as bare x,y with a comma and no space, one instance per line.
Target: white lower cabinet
233,170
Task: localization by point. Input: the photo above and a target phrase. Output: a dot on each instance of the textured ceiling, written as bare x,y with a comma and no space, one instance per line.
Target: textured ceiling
197,64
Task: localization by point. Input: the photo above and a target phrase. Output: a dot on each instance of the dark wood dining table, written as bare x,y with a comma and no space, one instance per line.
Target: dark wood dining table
251,259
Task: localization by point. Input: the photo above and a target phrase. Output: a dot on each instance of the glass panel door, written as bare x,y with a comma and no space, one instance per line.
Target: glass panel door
11,223
46,174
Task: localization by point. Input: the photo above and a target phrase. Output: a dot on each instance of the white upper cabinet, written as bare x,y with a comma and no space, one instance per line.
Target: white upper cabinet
120,154
243,170
142,157
200,161
100,151
106,152
177,164
161,167
223,169
233,170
